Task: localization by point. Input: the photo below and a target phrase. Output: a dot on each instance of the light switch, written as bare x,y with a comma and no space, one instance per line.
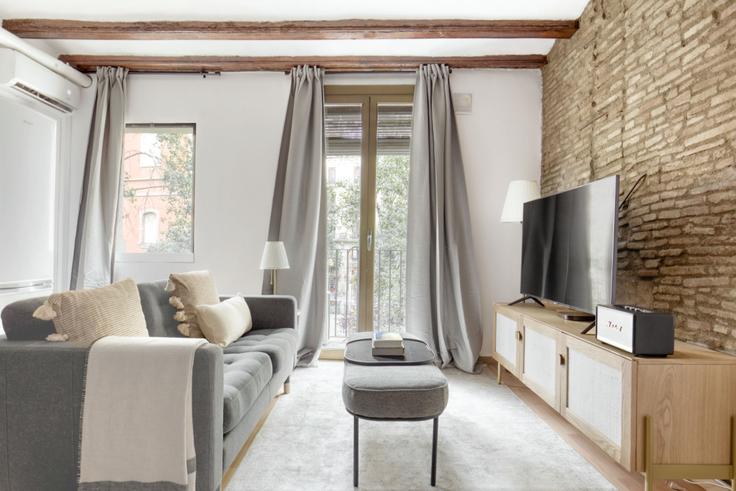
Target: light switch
463,103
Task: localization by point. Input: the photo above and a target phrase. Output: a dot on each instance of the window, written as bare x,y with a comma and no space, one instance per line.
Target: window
158,193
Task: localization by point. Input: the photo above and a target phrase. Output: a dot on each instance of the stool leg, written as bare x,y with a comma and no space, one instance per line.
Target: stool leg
434,451
355,451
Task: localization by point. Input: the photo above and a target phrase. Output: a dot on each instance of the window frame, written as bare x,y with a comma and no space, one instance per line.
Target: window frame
158,257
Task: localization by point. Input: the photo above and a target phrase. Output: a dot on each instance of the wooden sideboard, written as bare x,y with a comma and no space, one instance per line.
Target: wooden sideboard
670,418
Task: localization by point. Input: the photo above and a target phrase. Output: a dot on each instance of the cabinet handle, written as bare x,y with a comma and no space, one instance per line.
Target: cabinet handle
562,359
519,336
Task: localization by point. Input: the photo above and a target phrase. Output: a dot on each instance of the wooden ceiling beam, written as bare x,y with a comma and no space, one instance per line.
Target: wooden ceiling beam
200,64
291,30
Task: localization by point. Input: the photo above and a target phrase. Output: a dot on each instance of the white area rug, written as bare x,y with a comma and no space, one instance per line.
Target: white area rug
488,439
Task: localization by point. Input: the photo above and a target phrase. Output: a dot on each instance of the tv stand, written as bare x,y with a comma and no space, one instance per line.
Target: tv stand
668,417
525,298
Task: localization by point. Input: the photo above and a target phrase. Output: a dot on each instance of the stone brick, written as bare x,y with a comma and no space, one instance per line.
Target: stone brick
650,88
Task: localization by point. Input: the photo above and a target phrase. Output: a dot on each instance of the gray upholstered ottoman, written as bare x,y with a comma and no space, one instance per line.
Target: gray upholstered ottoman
392,390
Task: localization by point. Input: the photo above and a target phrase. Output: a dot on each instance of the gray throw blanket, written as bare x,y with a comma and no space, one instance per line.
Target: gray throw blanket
137,431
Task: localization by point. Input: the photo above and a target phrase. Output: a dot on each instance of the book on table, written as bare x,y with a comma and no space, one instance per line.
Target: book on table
382,339
388,352
387,344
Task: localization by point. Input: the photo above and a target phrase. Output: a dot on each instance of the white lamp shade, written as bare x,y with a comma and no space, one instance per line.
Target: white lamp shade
274,256
519,192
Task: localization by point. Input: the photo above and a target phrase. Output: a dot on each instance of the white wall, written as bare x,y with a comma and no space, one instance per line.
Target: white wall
239,118
501,140
239,122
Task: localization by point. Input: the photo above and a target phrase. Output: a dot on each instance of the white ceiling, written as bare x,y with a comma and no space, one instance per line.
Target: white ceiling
271,10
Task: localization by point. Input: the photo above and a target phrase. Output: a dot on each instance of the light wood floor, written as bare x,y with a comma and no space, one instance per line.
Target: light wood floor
611,470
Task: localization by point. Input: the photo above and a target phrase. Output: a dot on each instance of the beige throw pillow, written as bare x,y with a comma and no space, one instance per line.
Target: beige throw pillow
187,291
225,322
84,316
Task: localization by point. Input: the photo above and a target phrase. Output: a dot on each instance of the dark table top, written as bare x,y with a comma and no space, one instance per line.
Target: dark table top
359,351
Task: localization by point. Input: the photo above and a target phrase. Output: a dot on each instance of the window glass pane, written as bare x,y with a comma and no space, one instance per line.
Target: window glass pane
150,153
158,189
344,133
392,189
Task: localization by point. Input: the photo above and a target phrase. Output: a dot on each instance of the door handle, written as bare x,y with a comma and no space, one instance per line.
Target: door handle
562,359
519,335
369,240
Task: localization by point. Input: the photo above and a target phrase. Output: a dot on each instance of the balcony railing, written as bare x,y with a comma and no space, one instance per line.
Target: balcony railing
389,290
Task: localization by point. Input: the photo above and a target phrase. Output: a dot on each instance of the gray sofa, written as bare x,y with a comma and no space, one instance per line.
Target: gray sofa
41,386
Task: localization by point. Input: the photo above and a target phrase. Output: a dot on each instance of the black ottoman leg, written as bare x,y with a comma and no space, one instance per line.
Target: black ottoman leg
355,451
434,451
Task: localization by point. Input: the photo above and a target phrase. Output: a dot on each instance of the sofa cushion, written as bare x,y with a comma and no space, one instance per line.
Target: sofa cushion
157,310
279,344
245,376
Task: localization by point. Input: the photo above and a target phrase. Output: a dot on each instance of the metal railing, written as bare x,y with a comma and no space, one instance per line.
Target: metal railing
389,290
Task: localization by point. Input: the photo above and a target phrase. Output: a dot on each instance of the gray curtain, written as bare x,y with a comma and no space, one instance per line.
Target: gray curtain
94,244
298,212
443,301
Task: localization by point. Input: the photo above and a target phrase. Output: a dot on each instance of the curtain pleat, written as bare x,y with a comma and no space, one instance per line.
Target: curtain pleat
298,211
94,244
443,300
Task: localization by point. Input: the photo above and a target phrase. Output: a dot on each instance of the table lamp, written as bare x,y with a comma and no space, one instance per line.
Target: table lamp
274,257
518,193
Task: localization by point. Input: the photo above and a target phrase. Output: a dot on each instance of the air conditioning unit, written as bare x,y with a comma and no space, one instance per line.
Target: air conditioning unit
21,75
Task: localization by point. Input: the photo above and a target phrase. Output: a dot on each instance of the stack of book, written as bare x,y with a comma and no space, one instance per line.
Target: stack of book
388,344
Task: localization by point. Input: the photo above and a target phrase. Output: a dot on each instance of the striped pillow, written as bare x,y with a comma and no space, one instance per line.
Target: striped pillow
84,316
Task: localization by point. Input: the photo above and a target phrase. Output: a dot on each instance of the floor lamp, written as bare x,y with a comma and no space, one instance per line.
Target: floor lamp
274,258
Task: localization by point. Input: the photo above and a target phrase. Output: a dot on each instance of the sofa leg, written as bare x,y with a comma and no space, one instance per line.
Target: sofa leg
287,385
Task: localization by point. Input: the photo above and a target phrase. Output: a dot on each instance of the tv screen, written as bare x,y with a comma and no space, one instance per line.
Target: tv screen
569,246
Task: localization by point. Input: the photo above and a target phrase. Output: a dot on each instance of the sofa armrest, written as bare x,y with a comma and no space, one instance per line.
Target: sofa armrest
41,394
207,414
272,311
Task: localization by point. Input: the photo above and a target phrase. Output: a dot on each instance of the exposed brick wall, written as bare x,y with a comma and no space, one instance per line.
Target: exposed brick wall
649,86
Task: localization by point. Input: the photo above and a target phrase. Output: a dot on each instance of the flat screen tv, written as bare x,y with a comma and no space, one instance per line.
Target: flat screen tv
569,246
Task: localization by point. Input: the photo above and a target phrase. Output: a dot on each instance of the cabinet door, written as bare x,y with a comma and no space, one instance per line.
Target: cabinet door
506,335
597,396
540,361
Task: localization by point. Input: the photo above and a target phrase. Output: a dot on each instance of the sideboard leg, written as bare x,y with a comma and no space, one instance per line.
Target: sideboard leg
498,372
733,454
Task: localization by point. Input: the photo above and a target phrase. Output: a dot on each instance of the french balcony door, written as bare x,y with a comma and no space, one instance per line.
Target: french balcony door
368,131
